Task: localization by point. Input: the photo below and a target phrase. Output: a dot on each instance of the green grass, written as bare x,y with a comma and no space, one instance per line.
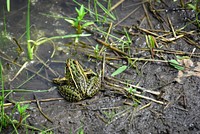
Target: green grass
79,23
2,119
8,5
5,119
106,11
28,33
4,24
94,13
195,7
8,119
45,39
119,70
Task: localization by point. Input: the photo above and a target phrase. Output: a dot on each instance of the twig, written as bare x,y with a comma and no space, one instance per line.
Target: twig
31,91
126,17
188,40
116,5
20,70
31,101
40,109
145,106
147,15
25,67
177,52
111,47
45,64
148,98
155,12
162,38
137,87
171,26
137,94
104,64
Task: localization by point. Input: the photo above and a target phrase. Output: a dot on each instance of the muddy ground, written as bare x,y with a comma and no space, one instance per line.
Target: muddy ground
109,111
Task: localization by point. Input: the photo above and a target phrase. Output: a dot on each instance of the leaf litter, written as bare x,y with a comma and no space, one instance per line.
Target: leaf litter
190,70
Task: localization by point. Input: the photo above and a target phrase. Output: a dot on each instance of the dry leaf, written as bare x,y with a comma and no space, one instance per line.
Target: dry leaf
189,70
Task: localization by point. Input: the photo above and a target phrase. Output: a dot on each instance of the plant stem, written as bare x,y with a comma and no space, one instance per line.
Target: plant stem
3,123
30,50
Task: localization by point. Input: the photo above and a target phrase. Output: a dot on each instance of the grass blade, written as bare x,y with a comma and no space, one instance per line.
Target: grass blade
30,50
119,70
8,5
106,11
2,119
176,65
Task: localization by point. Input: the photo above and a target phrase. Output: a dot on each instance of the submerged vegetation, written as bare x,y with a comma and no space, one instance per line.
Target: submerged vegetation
123,52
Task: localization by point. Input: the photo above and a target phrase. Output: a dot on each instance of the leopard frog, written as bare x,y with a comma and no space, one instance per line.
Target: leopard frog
78,83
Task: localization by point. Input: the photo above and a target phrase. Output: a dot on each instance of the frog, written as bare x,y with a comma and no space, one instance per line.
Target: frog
78,83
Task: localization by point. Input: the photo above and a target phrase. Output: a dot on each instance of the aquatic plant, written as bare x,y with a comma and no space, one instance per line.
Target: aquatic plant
2,115
79,23
29,47
8,5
